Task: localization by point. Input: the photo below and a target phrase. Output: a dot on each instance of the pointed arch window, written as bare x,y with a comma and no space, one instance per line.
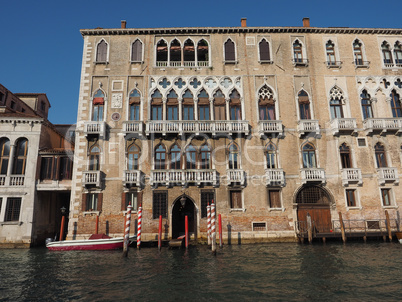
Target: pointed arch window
336,103
358,52
345,156
264,51
161,53
202,53
188,106
398,54
396,105
133,156
191,157
98,105
234,156
94,158
330,48
235,106
4,155
20,157
366,105
304,105
219,106
266,104
205,157
134,105
203,106
136,51
189,53
175,53
160,157
270,153
386,52
380,156
175,157
297,52
309,158
156,106
101,52
172,106
230,55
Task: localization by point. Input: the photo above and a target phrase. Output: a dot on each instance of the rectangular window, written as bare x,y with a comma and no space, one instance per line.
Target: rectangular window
13,209
12,105
259,226
91,202
46,168
236,200
134,112
386,197
350,198
1,203
203,112
66,165
159,204
188,113
274,199
130,198
156,113
2,97
207,196
220,113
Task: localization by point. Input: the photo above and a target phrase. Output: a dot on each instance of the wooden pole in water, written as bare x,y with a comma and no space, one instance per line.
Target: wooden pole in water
388,225
139,227
309,229
127,231
213,227
160,233
97,224
342,227
186,230
220,231
209,224
63,219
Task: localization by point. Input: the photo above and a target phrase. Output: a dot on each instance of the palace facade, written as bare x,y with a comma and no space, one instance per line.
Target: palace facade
270,123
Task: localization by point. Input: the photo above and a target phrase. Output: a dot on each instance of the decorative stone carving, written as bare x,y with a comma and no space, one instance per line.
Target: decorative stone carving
117,100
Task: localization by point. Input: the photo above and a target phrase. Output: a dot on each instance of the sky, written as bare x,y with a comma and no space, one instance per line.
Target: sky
41,47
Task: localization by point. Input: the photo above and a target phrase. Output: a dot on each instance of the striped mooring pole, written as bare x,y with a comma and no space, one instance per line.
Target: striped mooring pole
213,232
160,233
209,223
139,227
127,231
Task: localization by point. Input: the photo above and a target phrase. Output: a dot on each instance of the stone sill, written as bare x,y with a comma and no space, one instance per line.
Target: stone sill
11,223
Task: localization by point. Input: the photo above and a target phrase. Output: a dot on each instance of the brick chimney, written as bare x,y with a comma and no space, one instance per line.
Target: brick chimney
123,23
243,22
306,22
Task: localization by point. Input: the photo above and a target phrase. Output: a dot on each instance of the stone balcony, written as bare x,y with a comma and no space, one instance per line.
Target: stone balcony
382,125
343,126
12,181
54,185
132,178
270,127
388,175
313,175
274,177
91,179
236,176
133,127
197,127
351,176
95,128
308,126
171,177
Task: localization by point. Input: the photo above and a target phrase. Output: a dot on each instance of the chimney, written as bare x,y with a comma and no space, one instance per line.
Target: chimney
123,23
306,22
243,22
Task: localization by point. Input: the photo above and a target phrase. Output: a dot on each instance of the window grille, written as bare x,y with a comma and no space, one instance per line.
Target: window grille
259,226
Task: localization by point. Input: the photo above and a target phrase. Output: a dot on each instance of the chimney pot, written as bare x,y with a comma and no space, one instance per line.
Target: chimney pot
123,23
243,22
306,22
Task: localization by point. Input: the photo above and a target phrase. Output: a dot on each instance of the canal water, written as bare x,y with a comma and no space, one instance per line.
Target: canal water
271,272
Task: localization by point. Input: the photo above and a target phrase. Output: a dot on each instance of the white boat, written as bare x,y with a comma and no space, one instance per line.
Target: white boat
399,236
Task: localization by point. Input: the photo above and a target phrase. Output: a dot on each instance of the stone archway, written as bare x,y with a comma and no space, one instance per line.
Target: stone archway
178,217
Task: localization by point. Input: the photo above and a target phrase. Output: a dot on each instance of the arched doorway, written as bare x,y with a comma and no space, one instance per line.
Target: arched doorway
183,206
316,202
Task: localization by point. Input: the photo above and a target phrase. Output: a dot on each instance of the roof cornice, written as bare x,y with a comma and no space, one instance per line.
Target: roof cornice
229,30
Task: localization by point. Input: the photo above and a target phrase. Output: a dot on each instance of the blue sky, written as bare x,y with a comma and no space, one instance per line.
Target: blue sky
41,47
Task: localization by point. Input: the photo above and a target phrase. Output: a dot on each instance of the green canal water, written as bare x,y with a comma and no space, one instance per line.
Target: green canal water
271,272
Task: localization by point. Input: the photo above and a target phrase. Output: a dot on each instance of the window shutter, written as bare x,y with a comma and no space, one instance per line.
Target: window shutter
137,51
230,51
264,51
123,201
100,200
274,199
84,202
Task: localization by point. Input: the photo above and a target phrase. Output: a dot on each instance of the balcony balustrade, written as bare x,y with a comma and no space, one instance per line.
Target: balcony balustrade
275,177
182,64
91,178
313,175
132,178
270,127
382,125
184,177
133,127
3,180
12,180
333,64
388,175
236,176
351,176
308,126
343,125
95,127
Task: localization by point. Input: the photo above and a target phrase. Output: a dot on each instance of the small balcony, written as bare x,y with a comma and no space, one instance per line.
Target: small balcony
300,62
12,180
343,126
308,126
361,64
333,64
3,180
270,127
91,179
170,178
196,127
313,175
236,176
275,177
351,176
133,127
95,128
132,178
382,125
388,175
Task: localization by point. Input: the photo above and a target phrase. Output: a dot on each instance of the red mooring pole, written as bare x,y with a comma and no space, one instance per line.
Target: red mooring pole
139,227
63,218
127,231
209,224
220,231
186,230
97,224
160,233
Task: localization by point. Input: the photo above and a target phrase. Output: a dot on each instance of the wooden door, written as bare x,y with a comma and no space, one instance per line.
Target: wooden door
320,216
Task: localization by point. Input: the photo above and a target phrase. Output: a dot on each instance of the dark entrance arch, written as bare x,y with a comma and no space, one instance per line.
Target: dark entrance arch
178,216
316,202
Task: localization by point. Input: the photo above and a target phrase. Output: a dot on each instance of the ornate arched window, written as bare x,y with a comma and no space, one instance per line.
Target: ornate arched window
4,155
234,156
386,53
202,53
188,106
191,157
396,104
336,103
98,105
156,106
175,53
380,156
205,157
313,194
330,49
203,106
270,153
266,104
264,51
101,52
160,157
219,106
136,51
175,157
345,156
235,106
161,53
309,158
304,105
230,55
133,156
94,158
358,52
366,105
398,54
135,104
297,52
172,106
20,157
189,53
